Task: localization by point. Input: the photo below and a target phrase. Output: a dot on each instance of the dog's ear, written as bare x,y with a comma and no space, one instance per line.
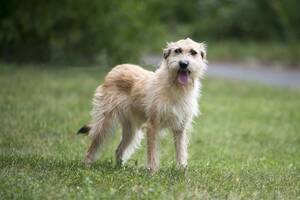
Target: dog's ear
168,49
203,47
203,54
166,53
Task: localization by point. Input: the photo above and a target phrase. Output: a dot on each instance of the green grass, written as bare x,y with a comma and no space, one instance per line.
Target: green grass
245,145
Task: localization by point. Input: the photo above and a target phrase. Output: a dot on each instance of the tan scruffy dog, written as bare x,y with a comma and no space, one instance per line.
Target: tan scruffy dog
136,98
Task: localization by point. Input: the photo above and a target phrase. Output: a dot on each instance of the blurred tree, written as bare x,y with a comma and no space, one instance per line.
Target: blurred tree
74,30
115,31
288,14
239,19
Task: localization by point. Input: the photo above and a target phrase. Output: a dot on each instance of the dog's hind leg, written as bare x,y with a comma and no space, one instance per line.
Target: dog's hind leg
127,137
131,139
99,132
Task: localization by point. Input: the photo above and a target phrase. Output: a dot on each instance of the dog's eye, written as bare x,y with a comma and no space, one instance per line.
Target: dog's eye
193,52
179,50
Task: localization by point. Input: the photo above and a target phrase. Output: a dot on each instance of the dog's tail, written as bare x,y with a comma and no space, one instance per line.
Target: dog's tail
84,130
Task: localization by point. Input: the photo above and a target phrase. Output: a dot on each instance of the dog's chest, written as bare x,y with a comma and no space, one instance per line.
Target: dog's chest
175,116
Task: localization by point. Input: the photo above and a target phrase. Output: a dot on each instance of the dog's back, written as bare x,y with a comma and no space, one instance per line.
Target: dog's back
124,77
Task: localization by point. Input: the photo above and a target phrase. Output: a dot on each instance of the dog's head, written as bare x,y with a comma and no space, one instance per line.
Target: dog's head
185,60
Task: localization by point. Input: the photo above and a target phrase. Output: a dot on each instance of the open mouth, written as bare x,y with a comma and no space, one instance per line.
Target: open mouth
183,76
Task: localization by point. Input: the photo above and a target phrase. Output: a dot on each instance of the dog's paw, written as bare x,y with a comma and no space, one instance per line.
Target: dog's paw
152,169
183,167
119,163
88,161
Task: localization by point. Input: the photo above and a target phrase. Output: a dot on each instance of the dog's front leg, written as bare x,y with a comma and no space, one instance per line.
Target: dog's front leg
181,145
152,131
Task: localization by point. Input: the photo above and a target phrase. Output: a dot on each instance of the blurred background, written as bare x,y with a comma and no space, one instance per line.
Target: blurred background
106,32
53,55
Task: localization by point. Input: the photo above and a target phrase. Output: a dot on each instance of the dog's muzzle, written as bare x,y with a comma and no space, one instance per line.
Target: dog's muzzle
183,72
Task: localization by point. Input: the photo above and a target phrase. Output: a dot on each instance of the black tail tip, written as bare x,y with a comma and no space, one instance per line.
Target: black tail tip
84,130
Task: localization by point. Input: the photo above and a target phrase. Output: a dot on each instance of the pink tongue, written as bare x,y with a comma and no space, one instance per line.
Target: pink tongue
183,77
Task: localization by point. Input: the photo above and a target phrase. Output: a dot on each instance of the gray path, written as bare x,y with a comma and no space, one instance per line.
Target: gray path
288,78
263,75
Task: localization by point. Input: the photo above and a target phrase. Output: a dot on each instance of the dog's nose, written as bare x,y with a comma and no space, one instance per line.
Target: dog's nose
183,64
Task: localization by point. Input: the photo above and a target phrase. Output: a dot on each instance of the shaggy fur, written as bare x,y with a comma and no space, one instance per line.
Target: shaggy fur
133,97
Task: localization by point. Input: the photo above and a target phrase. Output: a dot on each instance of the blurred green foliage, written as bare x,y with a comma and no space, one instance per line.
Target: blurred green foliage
79,31
243,19
75,30
265,20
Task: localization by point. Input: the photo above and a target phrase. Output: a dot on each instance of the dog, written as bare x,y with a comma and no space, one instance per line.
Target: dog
138,99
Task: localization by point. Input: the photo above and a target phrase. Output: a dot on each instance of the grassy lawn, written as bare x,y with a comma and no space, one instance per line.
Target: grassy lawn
245,145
